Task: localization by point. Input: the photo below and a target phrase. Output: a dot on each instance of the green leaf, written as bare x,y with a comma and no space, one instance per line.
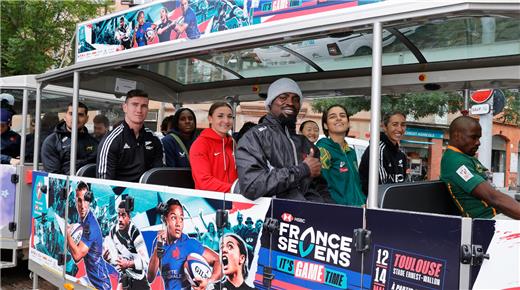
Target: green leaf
35,33
420,105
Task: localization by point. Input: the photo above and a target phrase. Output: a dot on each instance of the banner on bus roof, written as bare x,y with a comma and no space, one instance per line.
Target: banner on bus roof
176,20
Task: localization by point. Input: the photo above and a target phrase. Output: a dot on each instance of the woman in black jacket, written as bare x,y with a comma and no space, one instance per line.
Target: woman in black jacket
392,161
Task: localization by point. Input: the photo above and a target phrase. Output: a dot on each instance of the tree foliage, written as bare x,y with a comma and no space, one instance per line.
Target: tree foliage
420,105
511,113
37,35
417,105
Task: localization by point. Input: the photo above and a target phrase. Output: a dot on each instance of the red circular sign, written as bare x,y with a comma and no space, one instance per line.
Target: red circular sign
481,96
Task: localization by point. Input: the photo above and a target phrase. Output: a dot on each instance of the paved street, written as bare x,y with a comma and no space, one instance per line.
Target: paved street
18,279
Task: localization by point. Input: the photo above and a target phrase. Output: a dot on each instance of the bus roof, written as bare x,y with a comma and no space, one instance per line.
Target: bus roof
29,82
471,65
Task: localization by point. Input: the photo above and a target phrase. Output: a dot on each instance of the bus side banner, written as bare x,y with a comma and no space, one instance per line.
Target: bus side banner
142,236
413,250
171,21
313,247
500,239
7,199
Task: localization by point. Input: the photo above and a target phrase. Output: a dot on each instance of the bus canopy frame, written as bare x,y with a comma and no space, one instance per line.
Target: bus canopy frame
374,16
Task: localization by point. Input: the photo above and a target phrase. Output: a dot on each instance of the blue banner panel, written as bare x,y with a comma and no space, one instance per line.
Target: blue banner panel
171,21
149,237
313,248
413,251
500,239
48,212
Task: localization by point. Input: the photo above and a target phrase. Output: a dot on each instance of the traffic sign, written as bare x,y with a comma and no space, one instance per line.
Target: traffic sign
499,101
480,96
480,109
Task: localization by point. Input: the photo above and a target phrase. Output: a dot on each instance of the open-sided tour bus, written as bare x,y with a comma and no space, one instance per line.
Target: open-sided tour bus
16,183
406,238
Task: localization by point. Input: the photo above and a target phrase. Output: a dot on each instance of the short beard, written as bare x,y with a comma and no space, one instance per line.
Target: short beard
288,121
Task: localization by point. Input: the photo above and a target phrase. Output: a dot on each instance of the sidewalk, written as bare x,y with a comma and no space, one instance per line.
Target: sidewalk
17,278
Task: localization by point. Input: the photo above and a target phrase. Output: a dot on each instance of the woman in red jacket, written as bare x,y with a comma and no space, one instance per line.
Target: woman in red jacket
212,157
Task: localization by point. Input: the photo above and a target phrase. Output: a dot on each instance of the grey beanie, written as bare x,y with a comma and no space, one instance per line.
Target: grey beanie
281,86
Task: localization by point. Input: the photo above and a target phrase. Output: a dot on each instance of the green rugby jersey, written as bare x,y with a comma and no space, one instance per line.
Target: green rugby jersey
339,167
462,173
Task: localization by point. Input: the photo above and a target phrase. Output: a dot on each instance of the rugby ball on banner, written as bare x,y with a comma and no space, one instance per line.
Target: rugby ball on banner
76,231
196,267
150,33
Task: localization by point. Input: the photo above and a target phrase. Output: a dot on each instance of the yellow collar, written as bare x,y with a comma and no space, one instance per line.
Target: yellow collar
346,148
455,149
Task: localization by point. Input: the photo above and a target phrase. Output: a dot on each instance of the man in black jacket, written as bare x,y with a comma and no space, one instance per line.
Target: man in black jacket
272,160
56,147
392,161
130,149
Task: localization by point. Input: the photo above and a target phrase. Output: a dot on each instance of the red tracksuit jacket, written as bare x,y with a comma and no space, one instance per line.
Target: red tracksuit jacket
213,162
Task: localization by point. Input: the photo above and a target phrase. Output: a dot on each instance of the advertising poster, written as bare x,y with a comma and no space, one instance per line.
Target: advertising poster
141,236
178,20
413,251
313,248
7,199
500,239
48,212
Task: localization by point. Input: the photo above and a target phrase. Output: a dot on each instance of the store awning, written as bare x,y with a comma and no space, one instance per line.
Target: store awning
417,142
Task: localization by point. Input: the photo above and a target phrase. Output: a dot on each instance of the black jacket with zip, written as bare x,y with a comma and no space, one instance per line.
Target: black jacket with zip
56,149
269,162
392,164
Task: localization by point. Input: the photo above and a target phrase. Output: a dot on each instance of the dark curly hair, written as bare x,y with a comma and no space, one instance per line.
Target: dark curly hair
326,115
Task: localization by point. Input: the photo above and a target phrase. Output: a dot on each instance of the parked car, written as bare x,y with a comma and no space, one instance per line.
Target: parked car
356,44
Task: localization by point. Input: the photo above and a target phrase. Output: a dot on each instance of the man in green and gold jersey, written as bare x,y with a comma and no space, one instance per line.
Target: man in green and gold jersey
466,177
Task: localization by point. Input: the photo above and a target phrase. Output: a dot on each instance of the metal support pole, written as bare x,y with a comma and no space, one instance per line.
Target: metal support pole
465,269
35,281
25,102
160,116
375,114
177,104
37,128
466,99
74,135
486,123
488,25
66,220
234,102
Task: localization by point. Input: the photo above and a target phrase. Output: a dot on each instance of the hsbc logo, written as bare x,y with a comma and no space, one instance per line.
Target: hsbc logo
287,217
